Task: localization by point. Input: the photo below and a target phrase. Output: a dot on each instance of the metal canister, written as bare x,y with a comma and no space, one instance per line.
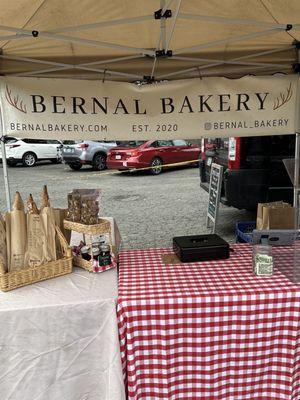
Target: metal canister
104,257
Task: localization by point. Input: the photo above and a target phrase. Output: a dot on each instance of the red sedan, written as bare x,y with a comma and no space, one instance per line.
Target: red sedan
154,154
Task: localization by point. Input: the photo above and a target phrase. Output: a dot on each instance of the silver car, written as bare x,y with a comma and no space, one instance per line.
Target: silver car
87,152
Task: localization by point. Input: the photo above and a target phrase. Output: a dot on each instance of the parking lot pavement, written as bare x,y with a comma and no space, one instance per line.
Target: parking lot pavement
149,210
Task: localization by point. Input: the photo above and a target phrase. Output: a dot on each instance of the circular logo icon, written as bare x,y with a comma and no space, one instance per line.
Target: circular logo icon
207,126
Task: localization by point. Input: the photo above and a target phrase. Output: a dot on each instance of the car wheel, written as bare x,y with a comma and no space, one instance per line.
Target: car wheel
99,162
75,166
29,159
156,166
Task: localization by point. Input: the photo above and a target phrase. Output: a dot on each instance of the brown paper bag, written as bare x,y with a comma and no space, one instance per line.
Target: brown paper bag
18,235
45,198
7,229
48,220
36,253
59,215
259,216
3,250
275,215
279,217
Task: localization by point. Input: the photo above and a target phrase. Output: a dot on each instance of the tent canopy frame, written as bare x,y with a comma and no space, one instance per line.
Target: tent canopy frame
163,44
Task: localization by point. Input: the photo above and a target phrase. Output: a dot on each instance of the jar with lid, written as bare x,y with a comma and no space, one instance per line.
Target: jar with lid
95,252
104,257
85,253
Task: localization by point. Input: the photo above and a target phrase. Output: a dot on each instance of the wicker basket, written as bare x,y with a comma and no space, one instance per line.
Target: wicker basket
27,276
102,227
99,229
80,262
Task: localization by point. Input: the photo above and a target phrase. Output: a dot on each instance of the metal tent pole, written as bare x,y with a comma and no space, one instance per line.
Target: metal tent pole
226,41
297,152
5,176
296,171
4,164
296,180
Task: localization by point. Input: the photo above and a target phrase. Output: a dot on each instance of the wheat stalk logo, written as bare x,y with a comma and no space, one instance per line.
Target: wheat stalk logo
15,101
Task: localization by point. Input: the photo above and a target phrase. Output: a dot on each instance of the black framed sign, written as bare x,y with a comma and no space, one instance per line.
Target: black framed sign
214,195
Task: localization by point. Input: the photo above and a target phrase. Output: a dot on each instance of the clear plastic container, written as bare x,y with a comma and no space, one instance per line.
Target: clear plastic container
263,260
84,206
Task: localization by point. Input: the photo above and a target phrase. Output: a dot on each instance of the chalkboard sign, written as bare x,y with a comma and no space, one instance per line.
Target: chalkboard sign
215,185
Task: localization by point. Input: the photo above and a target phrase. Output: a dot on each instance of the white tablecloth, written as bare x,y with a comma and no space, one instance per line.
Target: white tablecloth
59,340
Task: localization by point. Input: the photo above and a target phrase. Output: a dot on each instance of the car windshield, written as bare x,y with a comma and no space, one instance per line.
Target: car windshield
131,143
8,139
66,142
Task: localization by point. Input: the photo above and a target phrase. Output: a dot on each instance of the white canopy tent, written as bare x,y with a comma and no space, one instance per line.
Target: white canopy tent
149,40
131,40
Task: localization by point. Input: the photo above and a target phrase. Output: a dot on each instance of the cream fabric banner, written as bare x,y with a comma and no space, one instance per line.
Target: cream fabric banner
77,109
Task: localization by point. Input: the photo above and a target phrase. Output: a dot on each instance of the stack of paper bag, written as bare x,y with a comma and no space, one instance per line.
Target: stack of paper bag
275,215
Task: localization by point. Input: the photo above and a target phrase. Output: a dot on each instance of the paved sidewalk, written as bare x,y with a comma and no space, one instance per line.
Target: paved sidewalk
149,210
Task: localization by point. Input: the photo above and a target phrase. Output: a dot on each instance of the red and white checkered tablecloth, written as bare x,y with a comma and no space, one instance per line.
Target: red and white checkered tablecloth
209,330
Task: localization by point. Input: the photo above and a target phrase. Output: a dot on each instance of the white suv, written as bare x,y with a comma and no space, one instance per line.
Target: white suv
29,151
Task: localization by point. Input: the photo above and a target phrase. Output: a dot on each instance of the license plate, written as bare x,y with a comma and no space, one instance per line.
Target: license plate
124,163
69,150
209,161
118,157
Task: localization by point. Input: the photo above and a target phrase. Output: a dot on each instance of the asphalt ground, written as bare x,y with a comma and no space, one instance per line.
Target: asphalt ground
149,210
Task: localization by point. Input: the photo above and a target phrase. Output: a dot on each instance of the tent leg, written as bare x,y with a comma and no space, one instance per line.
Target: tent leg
4,164
297,152
296,180
5,176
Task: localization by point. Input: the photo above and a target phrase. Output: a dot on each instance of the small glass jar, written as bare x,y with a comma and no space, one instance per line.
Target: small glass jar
95,252
262,258
85,253
97,244
104,256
